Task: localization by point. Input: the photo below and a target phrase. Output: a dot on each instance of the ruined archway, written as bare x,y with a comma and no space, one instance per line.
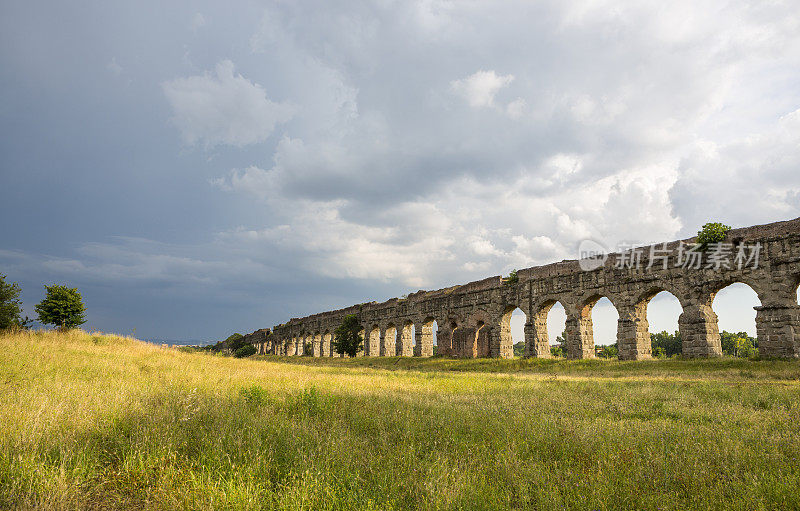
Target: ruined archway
598,325
551,319
512,331
662,311
735,308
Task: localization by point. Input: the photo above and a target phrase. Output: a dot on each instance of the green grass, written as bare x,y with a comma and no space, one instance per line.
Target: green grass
106,422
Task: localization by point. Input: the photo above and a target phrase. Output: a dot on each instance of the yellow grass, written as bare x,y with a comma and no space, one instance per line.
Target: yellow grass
95,421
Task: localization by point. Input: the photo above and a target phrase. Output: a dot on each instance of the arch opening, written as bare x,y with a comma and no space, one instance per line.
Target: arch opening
661,312
797,290
600,319
734,306
512,331
557,329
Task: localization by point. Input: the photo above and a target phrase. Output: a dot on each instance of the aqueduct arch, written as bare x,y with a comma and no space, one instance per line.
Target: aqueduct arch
472,318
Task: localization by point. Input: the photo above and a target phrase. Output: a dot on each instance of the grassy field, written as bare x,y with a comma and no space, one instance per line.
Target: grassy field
106,422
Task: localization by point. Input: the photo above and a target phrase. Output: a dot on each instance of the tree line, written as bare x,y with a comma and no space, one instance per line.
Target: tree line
61,307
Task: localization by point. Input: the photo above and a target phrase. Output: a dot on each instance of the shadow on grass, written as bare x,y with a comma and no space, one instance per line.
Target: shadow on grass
722,367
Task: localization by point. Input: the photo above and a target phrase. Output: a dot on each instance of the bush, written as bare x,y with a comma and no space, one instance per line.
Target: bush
609,351
245,351
62,307
712,232
512,278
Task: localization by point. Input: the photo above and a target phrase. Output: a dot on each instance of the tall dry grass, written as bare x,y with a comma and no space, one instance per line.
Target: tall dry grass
93,421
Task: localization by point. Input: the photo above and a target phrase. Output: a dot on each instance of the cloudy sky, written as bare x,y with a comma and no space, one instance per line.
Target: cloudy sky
197,168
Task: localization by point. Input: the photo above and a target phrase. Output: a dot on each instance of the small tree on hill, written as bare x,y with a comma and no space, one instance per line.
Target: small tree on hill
62,307
347,336
234,342
10,305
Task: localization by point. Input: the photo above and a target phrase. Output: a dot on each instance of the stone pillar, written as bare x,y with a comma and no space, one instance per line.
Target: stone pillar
536,342
325,347
424,338
444,342
699,332
390,342
580,338
633,333
372,347
381,343
500,346
778,328
405,342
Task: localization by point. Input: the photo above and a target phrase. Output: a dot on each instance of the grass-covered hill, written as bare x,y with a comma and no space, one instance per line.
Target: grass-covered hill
107,422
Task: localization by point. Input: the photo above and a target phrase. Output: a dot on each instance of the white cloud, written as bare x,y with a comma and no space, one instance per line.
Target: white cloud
224,108
480,88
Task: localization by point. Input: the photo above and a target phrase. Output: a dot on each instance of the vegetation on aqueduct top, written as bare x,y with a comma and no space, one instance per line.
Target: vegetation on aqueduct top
95,421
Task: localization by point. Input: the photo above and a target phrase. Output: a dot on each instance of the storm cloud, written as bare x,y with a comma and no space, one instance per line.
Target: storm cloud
199,168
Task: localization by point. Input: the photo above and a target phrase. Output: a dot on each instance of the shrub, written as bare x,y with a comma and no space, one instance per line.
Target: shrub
512,278
712,232
245,351
609,351
62,307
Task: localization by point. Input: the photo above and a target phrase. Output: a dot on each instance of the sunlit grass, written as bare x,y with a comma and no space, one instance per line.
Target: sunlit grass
108,422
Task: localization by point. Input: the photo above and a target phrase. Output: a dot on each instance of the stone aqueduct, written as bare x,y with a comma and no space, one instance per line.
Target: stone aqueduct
474,319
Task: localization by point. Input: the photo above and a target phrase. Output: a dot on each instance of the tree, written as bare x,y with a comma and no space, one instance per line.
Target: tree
609,351
347,336
666,344
234,342
245,351
62,307
10,304
738,344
